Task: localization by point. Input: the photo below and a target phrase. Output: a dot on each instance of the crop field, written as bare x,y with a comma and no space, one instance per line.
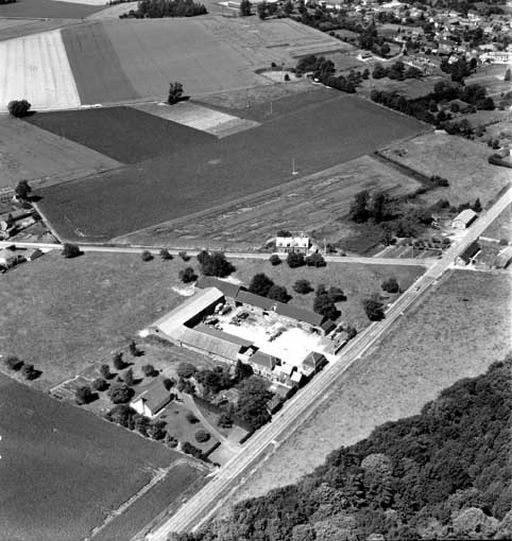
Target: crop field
317,135
16,28
63,470
50,9
457,330
90,52
491,77
106,299
358,282
38,70
43,158
463,163
123,133
411,88
318,204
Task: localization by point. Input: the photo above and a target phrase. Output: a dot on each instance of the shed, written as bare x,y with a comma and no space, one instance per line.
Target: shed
468,254
464,219
32,253
504,258
152,400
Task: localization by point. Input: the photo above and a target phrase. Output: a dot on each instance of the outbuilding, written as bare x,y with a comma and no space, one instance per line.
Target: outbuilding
464,219
151,401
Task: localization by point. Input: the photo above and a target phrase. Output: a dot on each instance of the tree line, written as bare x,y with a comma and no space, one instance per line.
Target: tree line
155,9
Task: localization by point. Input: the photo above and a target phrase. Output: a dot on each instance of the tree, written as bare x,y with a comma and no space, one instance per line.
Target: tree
225,420
175,93
83,395
390,285
260,284
262,10
288,7
336,294
302,286
315,260
477,206
165,255
70,250
99,384
374,309
202,436
184,256
19,108
278,293
254,395
156,430
146,255
295,259
29,372
245,8
191,418
23,190
149,370
324,305
215,264
275,260
186,370
134,350
168,383
378,210
105,371
141,424
118,360
190,449
187,275
508,75
242,371
128,377
13,363
120,393
359,207
122,415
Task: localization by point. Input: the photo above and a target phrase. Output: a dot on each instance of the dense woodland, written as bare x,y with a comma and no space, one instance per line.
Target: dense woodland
156,9
442,474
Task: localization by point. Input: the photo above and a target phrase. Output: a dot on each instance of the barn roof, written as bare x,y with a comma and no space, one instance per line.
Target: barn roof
212,331
264,359
470,251
229,289
211,344
155,397
466,216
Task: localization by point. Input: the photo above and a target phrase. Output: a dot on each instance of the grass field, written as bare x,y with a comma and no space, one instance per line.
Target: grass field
357,281
318,204
463,163
456,331
36,68
81,310
501,228
90,51
16,28
491,77
123,133
411,88
317,135
43,158
63,469
49,9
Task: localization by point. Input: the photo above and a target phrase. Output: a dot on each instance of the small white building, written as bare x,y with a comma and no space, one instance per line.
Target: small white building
464,219
293,243
152,400
8,257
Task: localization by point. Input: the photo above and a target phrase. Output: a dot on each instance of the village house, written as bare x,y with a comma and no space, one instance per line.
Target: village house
468,255
151,401
293,243
464,219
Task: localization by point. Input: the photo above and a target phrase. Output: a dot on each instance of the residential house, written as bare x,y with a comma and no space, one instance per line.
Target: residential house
464,219
263,363
468,255
313,363
151,401
293,243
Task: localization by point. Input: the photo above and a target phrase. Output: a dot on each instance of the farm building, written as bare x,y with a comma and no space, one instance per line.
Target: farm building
32,253
464,219
8,257
313,363
468,254
151,401
263,363
504,258
293,243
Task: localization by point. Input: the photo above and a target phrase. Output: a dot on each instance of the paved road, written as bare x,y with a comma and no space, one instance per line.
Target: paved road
205,503
229,255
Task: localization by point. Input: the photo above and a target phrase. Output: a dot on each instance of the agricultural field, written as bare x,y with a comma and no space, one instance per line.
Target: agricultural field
457,330
316,135
51,9
122,133
491,77
106,299
501,228
38,71
318,204
357,281
411,88
64,470
463,163
43,158
16,28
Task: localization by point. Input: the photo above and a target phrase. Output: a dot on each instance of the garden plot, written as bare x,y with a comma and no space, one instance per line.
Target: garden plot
36,68
199,117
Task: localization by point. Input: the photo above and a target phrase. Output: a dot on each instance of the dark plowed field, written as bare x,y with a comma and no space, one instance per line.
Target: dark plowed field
47,9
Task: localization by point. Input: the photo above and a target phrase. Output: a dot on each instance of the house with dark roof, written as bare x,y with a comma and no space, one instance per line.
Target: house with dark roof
151,401
313,363
263,363
468,254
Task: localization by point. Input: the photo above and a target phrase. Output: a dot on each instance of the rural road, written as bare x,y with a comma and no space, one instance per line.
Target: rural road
202,506
230,255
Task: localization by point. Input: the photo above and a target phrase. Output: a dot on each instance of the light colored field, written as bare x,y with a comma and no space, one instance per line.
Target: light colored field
457,331
463,163
43,158
113,12
86,2
199,117
317,204
36,68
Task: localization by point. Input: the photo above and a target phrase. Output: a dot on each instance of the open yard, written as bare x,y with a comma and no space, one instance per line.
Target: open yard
457,330
63,470
335,128
66,314
43,158
123,133
51,9
318,204
463,163
356,280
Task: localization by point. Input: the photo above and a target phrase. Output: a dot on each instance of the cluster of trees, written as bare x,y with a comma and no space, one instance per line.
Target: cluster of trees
7,1
397,71
378,207
27,370
264,286
266,9
324,70
442,474
459,70
124,415
19,108
69,251
214,264
156,9
374,308
175,93
326,299
245,8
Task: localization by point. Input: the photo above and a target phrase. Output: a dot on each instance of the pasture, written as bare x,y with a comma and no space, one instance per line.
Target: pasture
64,470
43,158
122,133
463,163
333,129
38,70
455,331
16,28
501,228
318,204
51,9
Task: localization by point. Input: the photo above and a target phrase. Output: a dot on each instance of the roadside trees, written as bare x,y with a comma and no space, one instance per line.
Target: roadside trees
215,264
245,8
146,255
175,92
275,260
83,395
374,309
18,108
22,190
165,255
260,284
295,260
187,275
70,250
315,260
